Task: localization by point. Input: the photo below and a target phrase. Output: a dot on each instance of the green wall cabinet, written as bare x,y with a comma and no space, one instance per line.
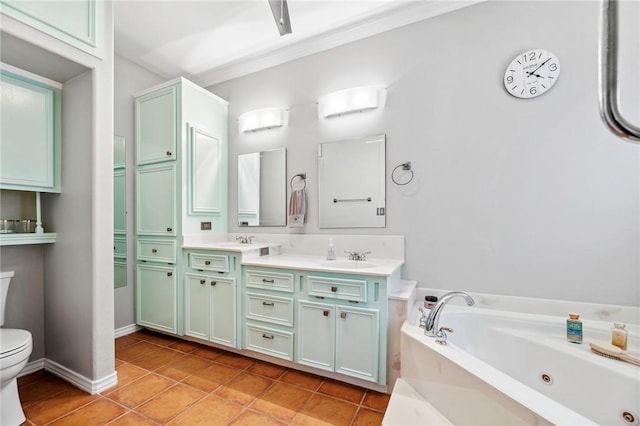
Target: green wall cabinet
157,297
30,134
180,189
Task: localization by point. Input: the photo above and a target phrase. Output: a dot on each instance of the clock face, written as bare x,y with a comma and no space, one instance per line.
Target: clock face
532,73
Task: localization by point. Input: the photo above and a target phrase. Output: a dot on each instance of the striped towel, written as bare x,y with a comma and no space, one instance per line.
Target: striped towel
297,208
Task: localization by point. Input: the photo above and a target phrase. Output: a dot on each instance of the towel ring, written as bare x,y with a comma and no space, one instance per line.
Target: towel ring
302,176
406,167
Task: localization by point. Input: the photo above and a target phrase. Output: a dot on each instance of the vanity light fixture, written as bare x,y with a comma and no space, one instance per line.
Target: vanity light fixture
261,119
356,99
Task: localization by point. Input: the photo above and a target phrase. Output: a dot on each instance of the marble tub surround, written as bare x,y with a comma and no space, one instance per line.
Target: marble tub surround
557,308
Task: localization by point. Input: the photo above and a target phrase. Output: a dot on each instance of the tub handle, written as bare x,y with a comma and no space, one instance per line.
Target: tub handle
441,335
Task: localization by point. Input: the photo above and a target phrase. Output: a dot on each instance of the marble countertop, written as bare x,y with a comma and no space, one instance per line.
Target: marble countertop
231,246
378,267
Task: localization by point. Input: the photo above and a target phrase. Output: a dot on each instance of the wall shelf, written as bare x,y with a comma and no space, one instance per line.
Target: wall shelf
24,239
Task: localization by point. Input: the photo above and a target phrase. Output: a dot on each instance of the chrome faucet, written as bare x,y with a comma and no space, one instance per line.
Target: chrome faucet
244,240
431,325
357,255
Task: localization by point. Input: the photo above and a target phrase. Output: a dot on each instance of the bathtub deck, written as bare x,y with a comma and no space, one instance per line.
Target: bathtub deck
407,408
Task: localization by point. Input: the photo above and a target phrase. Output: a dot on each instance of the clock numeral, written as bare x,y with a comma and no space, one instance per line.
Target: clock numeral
509,79
532,56
533,91
553,66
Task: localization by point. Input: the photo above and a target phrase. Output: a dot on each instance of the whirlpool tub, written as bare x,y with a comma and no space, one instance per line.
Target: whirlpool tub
509,368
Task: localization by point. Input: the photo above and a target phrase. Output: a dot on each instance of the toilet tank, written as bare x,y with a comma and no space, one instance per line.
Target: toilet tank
5,280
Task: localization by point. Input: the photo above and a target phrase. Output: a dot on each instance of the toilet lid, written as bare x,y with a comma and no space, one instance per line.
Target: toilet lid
13,340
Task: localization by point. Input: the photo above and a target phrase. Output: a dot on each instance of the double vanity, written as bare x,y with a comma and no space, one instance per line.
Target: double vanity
301,311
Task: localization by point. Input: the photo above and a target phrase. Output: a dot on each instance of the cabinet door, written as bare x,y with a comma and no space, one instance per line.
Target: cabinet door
119,202
156,200
29,141
357,337
156,126
316,335
156,291
205,172
197,306
223,314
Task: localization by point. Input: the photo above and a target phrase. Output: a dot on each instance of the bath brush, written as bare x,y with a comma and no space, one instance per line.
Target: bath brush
610,351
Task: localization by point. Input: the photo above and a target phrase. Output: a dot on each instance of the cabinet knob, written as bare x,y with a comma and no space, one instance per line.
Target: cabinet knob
213,283
267,336
334,289
169,274
169,229
203,281
168,153
343,315
207,262
325,313
264,280
154,250
268,304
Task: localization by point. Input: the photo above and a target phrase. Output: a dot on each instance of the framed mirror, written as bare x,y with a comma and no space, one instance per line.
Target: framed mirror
262,188
119,213
351,183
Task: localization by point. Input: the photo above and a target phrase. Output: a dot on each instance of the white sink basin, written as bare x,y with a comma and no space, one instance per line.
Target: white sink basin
349,264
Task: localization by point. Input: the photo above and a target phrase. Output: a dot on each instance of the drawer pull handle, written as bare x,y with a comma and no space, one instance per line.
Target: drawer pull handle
169,274
169,229
213,283
343,315
325,313
334,289
268,304
267,336
168,153
203,281
154,250
207,262
264,280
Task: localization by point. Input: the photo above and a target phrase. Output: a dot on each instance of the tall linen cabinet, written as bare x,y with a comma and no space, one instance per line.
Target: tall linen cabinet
180,189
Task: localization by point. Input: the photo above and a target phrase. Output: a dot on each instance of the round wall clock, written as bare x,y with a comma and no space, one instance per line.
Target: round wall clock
532,73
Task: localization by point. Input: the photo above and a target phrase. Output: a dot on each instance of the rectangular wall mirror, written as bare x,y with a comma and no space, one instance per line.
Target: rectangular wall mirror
119,213
262,188
351,183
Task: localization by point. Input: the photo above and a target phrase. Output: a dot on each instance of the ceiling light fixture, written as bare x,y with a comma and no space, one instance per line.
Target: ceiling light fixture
280,12
356,99
261,119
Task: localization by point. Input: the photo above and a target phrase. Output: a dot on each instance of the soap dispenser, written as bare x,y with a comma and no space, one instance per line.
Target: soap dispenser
331,251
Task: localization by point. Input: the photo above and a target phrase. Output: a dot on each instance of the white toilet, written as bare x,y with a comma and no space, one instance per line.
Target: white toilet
15,348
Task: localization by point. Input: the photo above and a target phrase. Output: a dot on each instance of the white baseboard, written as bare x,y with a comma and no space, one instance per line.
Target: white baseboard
78,380
127,329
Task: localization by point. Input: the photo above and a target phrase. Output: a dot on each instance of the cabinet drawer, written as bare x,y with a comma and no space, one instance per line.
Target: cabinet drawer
270,280
275,310
209,262
157,250
270,342
338,288
120,247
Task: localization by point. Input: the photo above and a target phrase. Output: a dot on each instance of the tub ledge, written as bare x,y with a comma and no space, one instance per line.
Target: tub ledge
407,408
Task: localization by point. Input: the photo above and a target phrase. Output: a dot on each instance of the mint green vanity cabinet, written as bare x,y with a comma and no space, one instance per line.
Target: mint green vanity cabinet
211,296
30,134
157,297
181,149
78,22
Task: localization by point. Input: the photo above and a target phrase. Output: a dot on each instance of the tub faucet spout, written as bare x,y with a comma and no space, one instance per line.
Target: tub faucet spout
432,326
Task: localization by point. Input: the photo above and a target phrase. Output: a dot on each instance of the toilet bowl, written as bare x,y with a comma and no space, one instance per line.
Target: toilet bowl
15,349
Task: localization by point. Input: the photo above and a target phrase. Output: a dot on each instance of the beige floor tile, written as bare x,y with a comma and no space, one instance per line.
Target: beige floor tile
250,418
208,379
366,417
266,369
136,350
46,410
323,410
211,411
184,346
131,419
127,373
282,401
161,339
33,377
97,413
302,379
183,367
137,392
208,353
341,390
244,388
170,403
376,400
156,359
42,389
234,360
124,341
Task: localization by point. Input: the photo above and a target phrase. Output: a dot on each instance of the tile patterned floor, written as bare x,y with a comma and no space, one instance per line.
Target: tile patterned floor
163,380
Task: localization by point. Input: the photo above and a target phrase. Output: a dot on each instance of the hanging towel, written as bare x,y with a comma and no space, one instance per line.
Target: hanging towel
297,208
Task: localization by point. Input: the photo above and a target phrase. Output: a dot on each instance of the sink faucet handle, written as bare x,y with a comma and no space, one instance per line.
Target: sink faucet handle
250,239
363,255
352,254
441,335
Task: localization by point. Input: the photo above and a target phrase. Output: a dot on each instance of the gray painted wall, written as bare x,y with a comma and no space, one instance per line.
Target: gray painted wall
517,197
129,79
